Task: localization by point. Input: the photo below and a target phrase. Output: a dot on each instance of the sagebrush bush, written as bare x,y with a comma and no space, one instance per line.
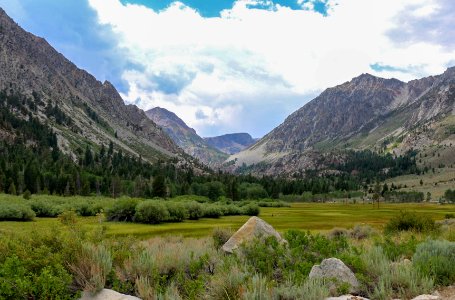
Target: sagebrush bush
16,212
220,236
91,266
338,233
437,259
122,210
410,221
360,232
228,284
151,212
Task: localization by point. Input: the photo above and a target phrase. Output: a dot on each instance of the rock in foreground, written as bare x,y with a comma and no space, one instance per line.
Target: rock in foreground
334,268
106,294
253,228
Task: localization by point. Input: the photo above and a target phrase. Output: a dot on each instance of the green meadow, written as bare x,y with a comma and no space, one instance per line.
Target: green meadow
315,217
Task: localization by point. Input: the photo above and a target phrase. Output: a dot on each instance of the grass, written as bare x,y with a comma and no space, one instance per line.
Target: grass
316,217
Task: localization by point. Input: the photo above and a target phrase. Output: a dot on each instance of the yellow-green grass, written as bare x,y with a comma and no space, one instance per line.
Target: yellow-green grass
304,216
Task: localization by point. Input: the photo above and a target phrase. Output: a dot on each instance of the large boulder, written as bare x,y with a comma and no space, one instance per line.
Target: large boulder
333,268
253,228
106,294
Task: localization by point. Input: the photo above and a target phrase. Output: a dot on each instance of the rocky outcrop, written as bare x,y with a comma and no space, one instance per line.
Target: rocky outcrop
106,294
30,66
358,114
333,268
186,137
253,228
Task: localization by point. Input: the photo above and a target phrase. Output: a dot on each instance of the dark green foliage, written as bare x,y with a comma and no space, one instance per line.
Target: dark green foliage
212,211
159,187
151,212
195,210
16,212
410,221
403,196
122,210
436,259
251,210
177,212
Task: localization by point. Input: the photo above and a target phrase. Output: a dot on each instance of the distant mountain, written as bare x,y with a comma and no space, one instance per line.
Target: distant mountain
231,143
186,137
385,115
93,112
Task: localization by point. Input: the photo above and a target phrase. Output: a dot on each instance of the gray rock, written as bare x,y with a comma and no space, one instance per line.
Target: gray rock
254,227
347,297
335,268
106,294
427,297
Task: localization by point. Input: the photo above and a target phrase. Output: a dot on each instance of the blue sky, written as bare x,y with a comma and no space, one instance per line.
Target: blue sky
228,66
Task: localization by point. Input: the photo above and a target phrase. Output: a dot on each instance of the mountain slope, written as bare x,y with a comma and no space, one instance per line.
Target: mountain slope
95,111
231,143
365,113
186,137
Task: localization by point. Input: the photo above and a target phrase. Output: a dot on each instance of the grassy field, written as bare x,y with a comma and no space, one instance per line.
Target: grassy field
306,216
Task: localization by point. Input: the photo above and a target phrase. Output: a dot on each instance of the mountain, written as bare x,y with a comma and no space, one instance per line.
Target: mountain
385,115
231,143
80,109
186,137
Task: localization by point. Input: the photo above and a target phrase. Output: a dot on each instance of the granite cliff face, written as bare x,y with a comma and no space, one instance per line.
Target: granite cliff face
365,113
30,66
186,137
231,143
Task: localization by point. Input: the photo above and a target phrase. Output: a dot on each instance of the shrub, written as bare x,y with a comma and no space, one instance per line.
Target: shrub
360,232
227,285
437,259
231,210
91,267
16,212
177,212
251,210
449,216
220,236
212,211
311,289
195,210
152,212
68,218
46,208
338,233
407,221
122,210
27,195
396,249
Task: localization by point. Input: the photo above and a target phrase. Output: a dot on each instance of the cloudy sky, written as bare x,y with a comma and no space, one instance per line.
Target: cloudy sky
241,66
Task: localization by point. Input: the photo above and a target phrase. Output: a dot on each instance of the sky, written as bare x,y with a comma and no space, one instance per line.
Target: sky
227,66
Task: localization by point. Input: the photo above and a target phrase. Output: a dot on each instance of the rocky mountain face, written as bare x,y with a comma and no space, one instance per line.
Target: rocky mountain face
231,143
31,67
365,113
186,137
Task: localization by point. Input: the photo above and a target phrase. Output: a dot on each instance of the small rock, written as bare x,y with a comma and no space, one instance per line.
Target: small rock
254,227
347,297
106,294
427,297
335,268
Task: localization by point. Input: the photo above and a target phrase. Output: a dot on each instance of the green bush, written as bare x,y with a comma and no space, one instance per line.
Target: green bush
231,210
151,212
436,259
220,236
212,211
409,221
195,210
177,212
122,210
396,250
251,210
46,208
16,212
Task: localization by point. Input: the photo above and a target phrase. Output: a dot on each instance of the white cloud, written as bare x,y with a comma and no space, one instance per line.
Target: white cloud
226,66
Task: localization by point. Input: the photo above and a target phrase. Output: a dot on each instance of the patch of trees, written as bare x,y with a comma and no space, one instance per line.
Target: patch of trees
403,197
449,195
